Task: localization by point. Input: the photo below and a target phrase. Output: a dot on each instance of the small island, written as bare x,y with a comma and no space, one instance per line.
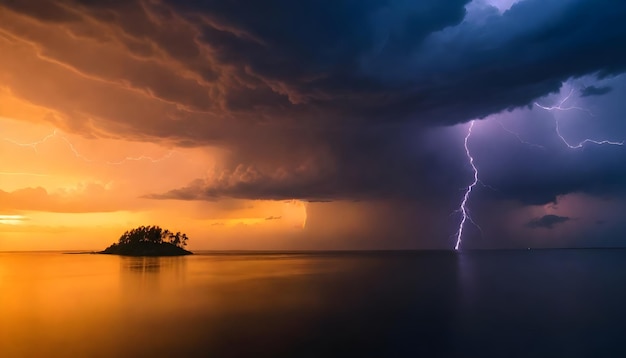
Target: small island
149,241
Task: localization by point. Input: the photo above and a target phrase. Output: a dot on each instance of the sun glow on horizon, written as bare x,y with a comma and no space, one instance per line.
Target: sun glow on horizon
12,219
84,190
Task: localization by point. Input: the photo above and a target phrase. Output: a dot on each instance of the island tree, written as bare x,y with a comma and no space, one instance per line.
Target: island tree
149,241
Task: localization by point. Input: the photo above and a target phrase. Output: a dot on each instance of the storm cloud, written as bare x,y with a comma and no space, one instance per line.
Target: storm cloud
594,91
547,221
338,100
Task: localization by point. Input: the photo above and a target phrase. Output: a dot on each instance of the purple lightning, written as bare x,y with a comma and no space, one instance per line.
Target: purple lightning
468,191
581,144
560,107
463,207
516,135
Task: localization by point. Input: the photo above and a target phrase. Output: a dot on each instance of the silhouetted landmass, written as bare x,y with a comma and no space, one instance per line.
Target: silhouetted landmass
149,241
145,249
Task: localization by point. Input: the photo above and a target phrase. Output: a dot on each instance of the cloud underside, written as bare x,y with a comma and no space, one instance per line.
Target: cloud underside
595,91
547,221
326,101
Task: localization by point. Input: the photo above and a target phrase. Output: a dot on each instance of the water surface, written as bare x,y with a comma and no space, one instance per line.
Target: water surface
546,303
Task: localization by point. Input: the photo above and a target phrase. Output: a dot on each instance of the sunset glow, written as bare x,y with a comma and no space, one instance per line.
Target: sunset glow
312,178
61,182
342,133
12,219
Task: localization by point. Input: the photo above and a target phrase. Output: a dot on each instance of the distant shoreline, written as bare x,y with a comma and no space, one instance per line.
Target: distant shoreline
308,252
145,249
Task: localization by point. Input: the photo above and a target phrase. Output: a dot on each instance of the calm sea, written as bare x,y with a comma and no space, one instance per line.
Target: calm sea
538,303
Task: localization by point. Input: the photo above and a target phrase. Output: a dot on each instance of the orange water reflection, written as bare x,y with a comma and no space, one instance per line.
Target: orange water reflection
63,305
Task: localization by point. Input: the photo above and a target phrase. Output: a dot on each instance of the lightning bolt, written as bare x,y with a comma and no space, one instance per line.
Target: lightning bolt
516,135
32,145
468,191
74,150
144,157
582,144
560,107
80,156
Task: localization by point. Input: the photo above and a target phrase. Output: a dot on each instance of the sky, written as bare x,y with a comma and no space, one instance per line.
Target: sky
313,125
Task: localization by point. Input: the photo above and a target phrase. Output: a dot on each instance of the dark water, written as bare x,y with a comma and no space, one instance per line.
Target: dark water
552,303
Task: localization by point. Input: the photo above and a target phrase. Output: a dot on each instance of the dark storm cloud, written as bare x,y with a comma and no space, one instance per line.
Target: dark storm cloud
594,91
443,72
547,221
381,60
539,177
359,165
44,10
522,156
412,61
326,100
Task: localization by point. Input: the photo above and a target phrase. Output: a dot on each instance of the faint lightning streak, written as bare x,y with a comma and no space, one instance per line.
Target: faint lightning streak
80,156
144,157
463,207
560,107
74,150
33,144
516,135
581,144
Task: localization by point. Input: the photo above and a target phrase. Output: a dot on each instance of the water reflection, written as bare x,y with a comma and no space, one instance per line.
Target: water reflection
143,276
325,305
141,264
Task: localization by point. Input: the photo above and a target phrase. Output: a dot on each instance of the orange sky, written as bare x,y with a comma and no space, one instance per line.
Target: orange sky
74,166
108,118
60,191
223,125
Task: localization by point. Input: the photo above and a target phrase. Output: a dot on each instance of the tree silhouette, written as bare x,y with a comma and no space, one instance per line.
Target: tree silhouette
152,234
